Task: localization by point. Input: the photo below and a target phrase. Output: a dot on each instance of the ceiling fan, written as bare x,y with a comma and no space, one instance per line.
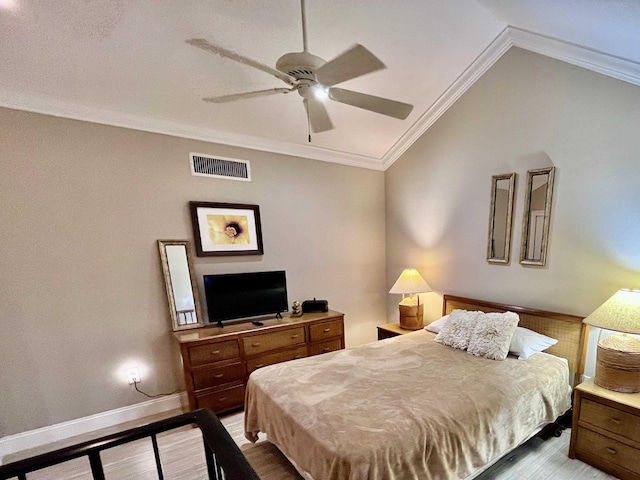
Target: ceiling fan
314,79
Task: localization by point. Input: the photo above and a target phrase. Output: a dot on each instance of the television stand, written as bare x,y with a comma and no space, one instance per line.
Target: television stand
257,323
217,361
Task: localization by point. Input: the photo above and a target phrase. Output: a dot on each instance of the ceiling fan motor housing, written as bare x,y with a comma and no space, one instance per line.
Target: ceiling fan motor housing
300,65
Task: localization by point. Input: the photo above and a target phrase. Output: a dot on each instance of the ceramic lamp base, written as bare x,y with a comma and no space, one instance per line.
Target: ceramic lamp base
411,316
618,364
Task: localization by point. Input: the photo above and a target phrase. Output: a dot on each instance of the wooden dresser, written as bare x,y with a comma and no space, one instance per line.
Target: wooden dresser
605,430
217,361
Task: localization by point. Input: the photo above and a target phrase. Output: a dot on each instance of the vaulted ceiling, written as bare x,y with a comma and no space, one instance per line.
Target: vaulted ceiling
126,62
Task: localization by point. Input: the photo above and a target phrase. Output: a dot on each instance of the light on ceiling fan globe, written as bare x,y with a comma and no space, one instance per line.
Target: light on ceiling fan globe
320,93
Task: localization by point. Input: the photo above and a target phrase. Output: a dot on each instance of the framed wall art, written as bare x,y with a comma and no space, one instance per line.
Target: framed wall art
225,229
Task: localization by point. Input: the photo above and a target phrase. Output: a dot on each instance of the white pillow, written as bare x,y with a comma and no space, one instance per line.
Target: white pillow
526,342
456,332
437,325
492,336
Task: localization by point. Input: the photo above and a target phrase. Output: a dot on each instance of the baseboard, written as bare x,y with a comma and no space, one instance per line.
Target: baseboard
61,431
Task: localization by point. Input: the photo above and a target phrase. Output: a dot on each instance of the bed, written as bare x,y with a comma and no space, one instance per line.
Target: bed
408,407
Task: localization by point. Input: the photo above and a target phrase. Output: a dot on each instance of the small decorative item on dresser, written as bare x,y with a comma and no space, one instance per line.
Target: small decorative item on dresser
310,306
618,356
411,311
296,309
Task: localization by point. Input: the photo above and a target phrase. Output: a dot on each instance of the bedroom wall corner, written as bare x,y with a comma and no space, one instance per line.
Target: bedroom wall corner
528,111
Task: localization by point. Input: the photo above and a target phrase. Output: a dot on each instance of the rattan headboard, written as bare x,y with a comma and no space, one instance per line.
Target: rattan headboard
568,329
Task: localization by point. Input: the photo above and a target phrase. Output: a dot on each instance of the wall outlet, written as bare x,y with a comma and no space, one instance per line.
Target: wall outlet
134,376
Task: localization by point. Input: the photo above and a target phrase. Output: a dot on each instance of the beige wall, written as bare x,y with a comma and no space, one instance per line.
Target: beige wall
526,112
83,204
81,294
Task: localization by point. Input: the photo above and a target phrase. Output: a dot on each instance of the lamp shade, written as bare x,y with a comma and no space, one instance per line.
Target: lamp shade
409,282
620,313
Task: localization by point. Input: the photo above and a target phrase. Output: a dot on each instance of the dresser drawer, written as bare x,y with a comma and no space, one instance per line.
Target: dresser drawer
610,419
325,347
222,400
325,330
213,377
592,444
272,358
213,352
270,341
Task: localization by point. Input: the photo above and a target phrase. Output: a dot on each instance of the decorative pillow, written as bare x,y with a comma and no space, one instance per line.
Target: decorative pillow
492,335
526,342
437,325
456,332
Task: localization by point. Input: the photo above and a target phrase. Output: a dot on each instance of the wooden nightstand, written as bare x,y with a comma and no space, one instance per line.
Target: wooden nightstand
391,330
605,430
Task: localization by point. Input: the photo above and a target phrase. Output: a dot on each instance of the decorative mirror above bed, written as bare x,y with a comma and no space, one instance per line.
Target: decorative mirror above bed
536,217
180,282
500,218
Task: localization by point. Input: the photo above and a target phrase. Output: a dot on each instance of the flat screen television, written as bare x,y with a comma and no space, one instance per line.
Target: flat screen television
234,296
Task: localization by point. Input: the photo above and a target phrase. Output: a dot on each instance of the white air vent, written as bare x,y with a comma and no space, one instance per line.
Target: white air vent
219,167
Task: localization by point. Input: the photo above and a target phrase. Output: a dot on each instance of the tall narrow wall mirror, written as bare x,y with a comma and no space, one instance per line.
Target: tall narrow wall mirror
500,218
180,283
536,218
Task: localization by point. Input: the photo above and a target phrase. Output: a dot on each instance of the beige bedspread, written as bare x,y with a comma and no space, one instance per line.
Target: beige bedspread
402,408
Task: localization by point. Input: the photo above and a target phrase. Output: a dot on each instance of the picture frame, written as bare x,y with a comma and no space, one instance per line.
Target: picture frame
226,229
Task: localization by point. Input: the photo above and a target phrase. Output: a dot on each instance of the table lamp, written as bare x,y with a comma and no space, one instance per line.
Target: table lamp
410,283
618,356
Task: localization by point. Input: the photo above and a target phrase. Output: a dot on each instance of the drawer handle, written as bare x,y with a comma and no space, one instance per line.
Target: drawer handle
326,349
616,421
222,399
295,336
220,375
611,451
215,352
326,330
255,345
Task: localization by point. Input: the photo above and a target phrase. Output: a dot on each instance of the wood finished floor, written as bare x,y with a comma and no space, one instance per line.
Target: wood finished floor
182,458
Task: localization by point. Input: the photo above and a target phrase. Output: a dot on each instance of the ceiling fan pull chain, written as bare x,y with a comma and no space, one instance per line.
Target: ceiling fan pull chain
306,109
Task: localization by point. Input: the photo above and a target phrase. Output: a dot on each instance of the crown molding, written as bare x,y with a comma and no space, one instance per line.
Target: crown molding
610,65
473,72
54,107
606,64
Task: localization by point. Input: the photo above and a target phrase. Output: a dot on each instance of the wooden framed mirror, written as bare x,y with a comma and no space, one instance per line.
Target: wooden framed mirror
536,218
180,283
501,218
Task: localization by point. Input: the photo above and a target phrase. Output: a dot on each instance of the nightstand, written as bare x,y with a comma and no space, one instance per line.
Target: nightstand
391,330
605,430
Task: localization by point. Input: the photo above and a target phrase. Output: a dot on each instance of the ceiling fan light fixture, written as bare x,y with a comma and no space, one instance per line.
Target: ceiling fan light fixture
320,93
314,79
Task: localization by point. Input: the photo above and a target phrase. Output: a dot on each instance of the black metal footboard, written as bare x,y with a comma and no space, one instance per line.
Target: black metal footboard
224,458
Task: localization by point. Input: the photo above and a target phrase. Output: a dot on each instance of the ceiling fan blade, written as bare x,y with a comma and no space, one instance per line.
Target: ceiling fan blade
318,116
355,62
223,52
242,96
381,105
